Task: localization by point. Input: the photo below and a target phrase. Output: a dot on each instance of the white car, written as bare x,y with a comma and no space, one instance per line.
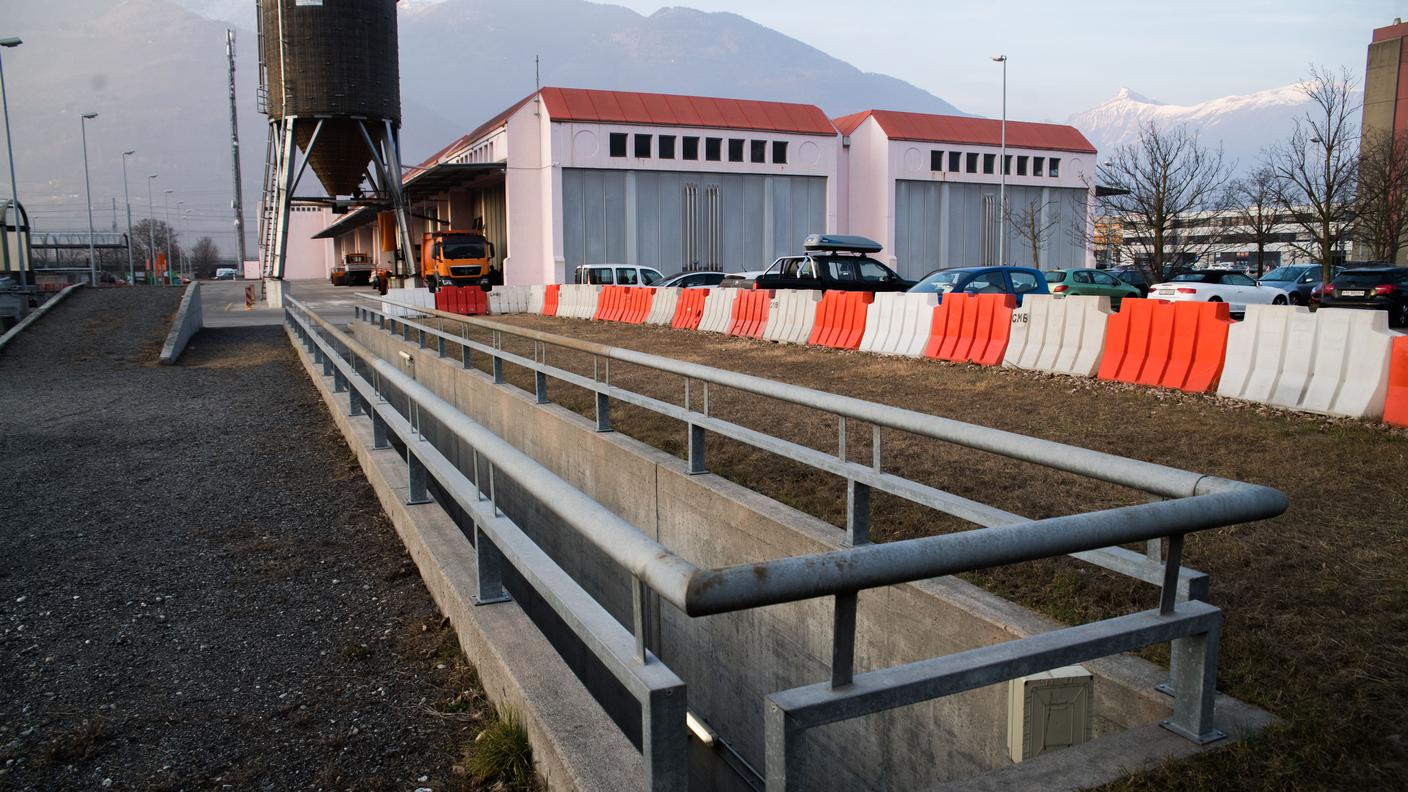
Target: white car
1234,288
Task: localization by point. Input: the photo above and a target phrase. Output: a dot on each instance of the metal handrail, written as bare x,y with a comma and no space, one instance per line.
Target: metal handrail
1198,502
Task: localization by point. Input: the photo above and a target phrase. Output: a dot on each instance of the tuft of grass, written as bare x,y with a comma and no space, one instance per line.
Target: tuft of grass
501,753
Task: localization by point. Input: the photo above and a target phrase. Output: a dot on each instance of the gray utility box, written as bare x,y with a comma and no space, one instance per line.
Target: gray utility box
1050,710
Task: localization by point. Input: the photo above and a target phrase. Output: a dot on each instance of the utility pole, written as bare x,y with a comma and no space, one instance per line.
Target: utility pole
166,213
151,231
235,155
127,199
1002,173
88,189
10,42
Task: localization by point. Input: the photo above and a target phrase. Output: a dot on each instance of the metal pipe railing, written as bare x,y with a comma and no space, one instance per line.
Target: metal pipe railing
1198,502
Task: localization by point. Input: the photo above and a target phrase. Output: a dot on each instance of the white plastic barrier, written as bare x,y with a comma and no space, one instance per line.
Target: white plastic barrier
898,323
1063,336
496,300
1332,361
421,297
515,298
537,295
663,305
578,301
718,311
792,315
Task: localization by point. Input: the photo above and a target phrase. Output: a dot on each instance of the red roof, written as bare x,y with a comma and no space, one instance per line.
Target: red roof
622,107
1399,30
973,131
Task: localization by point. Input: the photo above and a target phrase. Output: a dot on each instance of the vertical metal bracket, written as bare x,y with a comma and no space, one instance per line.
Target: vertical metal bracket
696,450
488,566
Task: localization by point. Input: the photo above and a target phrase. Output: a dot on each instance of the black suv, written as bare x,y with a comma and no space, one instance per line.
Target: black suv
833,262
1382,288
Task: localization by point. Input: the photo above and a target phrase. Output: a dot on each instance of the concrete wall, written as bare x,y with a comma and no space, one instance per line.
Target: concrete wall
731,661
187,322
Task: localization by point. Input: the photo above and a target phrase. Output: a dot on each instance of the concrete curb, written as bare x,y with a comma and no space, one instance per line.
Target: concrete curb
575,744
34,317
187,323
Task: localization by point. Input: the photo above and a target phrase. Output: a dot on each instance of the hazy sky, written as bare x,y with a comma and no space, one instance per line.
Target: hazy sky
1070,55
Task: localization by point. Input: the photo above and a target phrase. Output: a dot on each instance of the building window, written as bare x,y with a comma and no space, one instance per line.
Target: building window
713,148
1022,165
1055,167
667,147
955,161
758,151
972,162
691,148
1038,166
1007,165
735,150
936,160
643,146
779,152
989,161
618,144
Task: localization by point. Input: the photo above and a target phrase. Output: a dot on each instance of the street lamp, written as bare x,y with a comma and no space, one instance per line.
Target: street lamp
151,230
127,199
88,187
1002,171
166,213
8,43
180,212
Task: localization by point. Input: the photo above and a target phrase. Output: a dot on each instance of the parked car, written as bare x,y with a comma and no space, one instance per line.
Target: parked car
1133,276
741,280
1296,280
1382,288
835,262
1233,288
693,280
618,275
1317,293
983,280
1081,282
225,273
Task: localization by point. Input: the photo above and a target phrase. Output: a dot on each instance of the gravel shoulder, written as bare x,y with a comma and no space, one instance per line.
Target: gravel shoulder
198,588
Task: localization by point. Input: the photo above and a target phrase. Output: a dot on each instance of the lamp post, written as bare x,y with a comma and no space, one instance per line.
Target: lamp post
166,214
180,218
1002,171
127,200
151,230
88,188
10,42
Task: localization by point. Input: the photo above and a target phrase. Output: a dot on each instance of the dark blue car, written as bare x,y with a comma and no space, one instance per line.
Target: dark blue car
983,280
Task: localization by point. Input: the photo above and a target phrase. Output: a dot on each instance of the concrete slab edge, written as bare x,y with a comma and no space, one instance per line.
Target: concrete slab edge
187,323
15,331
575,744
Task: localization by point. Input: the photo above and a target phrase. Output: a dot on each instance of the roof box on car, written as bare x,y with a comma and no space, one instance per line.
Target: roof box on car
840,243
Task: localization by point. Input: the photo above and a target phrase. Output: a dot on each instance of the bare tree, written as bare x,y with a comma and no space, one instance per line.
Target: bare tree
1252,205
204,258
1034,222
1317,167
149,233
1381,200
1159,193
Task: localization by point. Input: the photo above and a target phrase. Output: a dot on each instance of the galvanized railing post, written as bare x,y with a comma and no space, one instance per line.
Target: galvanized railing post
540,377
696,450
664,741
379,438
497,363
419,479
1194,668
440,345
354,403
488,569
783,745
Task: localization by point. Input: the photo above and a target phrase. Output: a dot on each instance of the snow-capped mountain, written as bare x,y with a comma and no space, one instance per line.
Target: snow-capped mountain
1243,125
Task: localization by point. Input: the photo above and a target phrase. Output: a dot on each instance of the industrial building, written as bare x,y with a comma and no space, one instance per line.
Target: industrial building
569,176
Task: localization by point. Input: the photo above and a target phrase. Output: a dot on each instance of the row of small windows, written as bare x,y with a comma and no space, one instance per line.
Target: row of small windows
967,162
641,145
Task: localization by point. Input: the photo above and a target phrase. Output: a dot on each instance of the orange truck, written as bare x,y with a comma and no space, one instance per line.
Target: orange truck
456,258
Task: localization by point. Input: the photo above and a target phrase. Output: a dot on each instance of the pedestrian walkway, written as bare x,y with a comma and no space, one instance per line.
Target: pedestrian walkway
197,586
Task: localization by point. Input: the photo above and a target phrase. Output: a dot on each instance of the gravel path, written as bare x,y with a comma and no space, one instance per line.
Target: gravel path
197,586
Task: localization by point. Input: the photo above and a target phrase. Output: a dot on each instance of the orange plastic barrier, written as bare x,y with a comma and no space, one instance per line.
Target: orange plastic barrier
1396,405
971,328
690,309
635,303
1172,345
750,313
608,304
462,300
550,297
840,319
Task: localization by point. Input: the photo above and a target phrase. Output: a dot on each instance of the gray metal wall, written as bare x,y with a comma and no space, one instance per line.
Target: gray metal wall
674,221
939,224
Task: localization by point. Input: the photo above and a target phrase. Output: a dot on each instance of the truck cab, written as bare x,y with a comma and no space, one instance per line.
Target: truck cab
354,268
456,258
